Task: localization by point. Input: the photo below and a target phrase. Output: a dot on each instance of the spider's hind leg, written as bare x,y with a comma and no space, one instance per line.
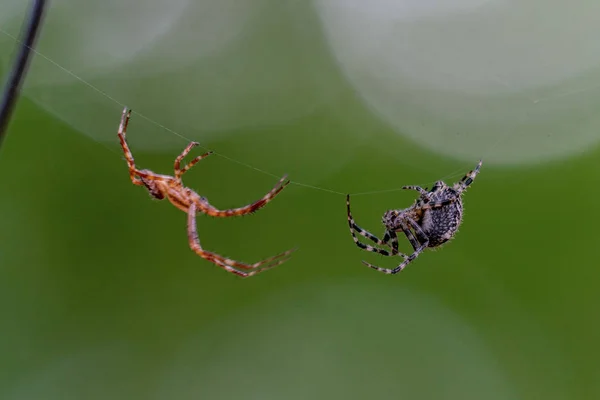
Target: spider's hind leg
235,267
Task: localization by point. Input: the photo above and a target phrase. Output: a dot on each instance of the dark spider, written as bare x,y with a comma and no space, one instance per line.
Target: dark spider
431,221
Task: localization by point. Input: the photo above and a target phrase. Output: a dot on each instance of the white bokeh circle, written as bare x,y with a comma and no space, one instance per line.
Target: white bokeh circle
94,38
509,81
202,69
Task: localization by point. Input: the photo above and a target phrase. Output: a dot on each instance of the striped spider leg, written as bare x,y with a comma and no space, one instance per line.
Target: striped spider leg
389,238
172,188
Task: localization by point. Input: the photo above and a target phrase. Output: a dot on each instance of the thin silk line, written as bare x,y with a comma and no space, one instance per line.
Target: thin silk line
103,93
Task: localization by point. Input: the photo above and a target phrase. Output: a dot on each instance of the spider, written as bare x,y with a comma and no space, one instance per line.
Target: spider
185,199
431,221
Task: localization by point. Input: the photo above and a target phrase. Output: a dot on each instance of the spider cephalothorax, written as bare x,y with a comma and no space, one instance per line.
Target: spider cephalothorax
431,221
152,186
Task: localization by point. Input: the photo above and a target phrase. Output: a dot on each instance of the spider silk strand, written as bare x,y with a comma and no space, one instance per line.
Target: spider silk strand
459,171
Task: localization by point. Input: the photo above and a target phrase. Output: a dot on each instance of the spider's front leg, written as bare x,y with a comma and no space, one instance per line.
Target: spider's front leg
180,171
389,235
467,179
228,264
133,172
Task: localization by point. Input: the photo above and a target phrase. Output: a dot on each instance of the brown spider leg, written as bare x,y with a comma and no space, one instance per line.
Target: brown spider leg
230,269
194,162
134,173
178,171
128,155
385,242
226,263
467,179
244,274
209,209
417,246
183,154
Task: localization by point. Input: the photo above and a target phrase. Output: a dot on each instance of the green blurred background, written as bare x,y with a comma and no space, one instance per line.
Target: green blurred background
101,297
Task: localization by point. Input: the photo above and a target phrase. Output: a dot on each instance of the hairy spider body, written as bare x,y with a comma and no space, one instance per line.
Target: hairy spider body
431,221
172,188
439,224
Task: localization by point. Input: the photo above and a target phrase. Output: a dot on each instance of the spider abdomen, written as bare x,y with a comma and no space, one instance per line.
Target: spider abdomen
441,224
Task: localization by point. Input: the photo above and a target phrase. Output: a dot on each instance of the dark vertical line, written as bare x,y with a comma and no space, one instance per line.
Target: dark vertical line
12,87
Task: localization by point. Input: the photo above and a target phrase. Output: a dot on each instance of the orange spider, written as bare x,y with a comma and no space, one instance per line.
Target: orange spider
171,187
